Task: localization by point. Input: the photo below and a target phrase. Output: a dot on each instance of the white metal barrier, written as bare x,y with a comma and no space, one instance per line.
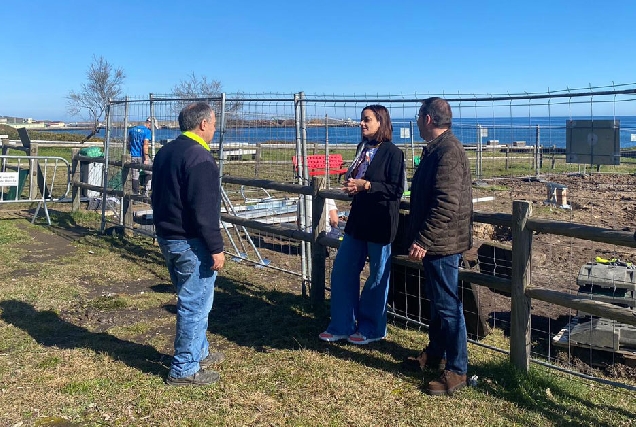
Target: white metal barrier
30,179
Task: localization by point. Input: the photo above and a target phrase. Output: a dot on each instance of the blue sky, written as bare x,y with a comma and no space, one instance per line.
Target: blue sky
320,47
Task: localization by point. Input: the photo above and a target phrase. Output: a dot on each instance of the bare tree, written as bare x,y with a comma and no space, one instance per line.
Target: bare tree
195,88
103,83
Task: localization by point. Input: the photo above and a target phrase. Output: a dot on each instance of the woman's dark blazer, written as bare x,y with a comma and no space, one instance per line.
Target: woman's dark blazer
374,213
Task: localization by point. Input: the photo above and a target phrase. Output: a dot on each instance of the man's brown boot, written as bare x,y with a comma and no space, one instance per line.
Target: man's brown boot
424,361
448,383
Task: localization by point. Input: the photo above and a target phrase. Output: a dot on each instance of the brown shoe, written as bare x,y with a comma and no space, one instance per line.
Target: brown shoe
198,378
212,359
448,383
424,361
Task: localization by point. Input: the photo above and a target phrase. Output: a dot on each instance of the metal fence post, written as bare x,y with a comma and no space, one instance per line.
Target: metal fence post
318,251
301,200
75,177
520,303
109,123
537,149
153,126
327,166
33,167
126,186
221,136
478,153
308,199
125,130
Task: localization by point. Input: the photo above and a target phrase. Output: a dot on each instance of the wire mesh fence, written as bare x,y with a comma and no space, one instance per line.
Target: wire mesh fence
517,147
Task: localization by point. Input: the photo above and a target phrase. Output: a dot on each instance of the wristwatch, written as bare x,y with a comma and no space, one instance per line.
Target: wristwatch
367,185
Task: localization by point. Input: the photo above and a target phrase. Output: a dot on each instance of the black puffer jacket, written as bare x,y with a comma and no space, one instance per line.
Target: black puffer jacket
441,198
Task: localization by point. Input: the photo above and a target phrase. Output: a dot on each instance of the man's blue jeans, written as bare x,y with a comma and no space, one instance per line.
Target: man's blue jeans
352,311
447,332
189,263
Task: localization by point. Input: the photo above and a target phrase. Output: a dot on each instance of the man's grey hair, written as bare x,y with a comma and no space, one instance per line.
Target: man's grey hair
193,114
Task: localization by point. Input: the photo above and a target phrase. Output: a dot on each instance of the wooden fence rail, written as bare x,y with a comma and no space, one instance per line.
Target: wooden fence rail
519,286
520,221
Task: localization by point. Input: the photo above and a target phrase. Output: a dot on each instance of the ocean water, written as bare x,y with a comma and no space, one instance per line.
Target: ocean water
552,131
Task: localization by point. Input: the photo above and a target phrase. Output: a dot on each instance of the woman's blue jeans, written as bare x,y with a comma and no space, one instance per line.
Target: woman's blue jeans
447,331
189,263
352,311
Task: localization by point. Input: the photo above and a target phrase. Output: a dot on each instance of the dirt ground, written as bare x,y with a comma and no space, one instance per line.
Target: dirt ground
601,200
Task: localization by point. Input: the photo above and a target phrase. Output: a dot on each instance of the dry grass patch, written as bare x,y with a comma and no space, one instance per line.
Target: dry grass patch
87,338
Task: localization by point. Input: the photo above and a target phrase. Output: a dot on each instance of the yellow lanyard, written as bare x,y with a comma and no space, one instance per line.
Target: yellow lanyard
197,138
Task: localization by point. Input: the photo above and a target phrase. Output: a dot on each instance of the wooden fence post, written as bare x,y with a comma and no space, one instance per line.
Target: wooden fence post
520,303
257,157
553,151
507,154
318,251
75,178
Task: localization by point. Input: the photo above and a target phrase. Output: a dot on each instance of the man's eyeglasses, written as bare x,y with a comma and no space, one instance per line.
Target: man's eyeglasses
418,115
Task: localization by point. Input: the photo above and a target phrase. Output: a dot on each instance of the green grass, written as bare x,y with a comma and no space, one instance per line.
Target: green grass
86,338
11,235
64,153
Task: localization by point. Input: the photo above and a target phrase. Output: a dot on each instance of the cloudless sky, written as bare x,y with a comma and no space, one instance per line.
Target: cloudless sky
336,47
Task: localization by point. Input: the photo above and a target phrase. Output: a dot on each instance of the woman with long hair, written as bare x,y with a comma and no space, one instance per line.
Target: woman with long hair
375,180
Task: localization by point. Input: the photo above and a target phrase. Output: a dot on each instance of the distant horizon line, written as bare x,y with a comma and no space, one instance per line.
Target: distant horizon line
77,123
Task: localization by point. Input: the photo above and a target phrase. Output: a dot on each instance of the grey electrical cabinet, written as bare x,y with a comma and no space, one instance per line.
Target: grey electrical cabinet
593,142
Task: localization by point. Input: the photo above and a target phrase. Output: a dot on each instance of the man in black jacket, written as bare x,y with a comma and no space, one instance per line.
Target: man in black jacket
186,211
441,229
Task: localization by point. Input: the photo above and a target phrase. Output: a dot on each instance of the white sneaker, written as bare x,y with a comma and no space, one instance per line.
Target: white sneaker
326,336
360,339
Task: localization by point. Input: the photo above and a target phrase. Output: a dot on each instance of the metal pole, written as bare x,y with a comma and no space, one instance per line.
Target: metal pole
478,165
301,201
221,135
327,151
536,152
124,150
153,127
412,144
125,138
105,170
308,199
